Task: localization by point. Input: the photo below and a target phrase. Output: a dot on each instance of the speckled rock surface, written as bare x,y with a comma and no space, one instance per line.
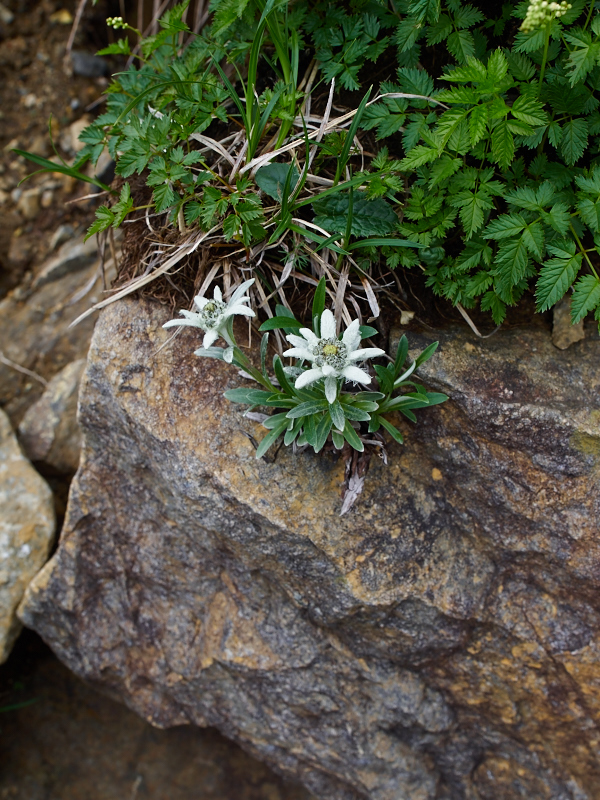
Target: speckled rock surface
49,431
26,530
439,642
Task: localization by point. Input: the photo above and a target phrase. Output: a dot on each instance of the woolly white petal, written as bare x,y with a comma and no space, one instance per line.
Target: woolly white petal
310,376
299,352
328,329
210,337
297,341
192,316
328,369
331,389
241,289
201,301
310,337
366,352
217,294
228,355
172,322
238,309
355,374
351,334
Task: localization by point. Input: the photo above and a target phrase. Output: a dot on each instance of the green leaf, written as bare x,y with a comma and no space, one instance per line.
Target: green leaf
530,111
386,382
275,421
426,354
556,276
392,430
461,45
318,305
491,302
505,226
369,217
418,156
503,144
308,408
558,218
477,123
104,219
586,297
271,179
322,432
511,262
337,415
118,48
584,57
589,211
401,354
352,438
366,331
533,239
356,414
270,439
574,140
253,397
275,323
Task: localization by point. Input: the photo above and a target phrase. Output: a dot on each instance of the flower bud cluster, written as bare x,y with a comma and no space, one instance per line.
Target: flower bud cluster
116,23
540,12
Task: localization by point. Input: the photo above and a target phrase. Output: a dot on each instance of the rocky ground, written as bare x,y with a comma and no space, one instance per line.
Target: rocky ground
59,738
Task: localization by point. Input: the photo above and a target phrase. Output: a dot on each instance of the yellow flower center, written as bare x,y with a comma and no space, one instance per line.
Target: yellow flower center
209,307
330,350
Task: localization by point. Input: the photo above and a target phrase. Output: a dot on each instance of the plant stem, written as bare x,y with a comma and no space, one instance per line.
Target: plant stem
583,251
589,16
544,57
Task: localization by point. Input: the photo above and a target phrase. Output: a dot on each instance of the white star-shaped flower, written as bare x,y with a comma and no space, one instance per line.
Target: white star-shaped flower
214,316
332,358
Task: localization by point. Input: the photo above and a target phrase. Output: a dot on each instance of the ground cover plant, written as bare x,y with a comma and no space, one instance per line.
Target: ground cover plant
262,138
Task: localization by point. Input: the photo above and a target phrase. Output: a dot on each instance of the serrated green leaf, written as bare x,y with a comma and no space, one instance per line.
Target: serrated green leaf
589,211
418,156
503,144
369,217
586,297
533,239
461,45
511,262
505,226
104,219
530,111
558,217
491,302
556,276
477,123
574,140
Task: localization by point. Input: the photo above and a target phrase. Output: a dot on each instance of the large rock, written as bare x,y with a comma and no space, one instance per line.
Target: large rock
439,641
26,530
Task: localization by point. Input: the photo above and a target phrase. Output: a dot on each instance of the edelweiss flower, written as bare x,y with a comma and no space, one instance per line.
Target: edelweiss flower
332,358
215,316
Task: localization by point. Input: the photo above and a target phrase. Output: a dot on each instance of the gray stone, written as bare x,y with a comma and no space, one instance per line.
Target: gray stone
564,333
73,256
49,431
441,640
88,65
26,530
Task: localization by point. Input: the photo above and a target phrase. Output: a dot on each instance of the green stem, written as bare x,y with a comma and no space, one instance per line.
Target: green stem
590,12
583,251
544,57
